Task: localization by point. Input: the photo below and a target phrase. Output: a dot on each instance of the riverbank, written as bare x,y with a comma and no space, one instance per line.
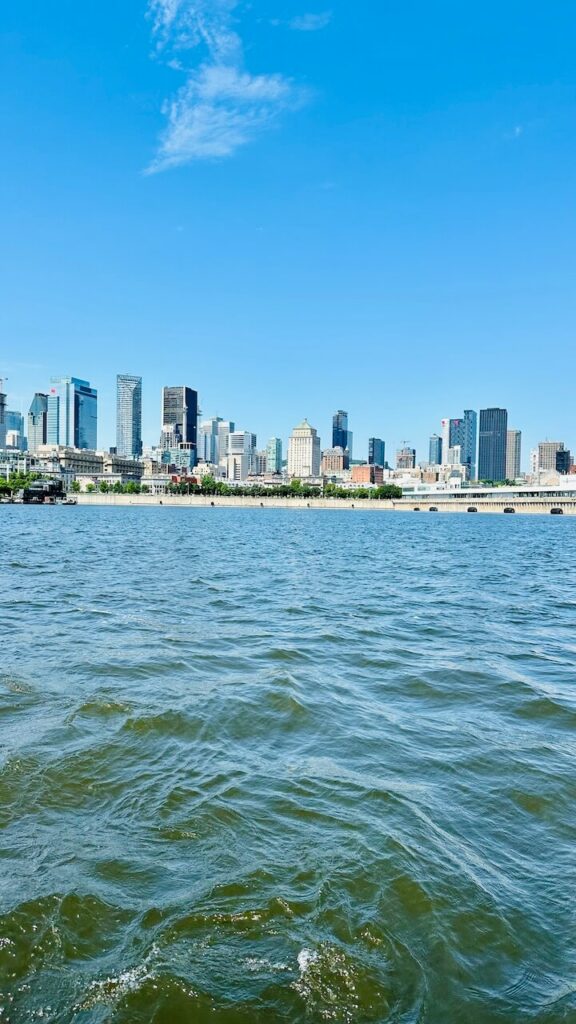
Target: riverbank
440,503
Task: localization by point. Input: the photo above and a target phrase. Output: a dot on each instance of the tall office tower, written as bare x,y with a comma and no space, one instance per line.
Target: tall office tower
180,414
492,445
128,415
547,451
15,436
2,415
406,458
72,418
208,449
225,428
274,455
462,434
435,450
304,451
38,421
340,430
376,451
241,454
513,453
445,435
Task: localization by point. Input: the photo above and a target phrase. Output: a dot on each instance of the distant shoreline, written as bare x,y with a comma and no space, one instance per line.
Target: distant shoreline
441,503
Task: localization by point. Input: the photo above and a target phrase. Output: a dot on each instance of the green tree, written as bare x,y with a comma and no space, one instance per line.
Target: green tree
104,487
90,488
75,487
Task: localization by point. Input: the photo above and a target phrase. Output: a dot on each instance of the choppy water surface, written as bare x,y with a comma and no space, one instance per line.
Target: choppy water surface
286,766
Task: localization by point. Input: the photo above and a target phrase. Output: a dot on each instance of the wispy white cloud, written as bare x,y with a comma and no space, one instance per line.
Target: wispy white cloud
311,22
221,106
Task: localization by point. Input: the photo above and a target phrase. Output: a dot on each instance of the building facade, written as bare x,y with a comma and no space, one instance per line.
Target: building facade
128,415
463,433
513,453
38,421
180,413
376,451
304,452
333,461
274,455
406,458
72,413
547,452
435,450
492,444
370,474
208,446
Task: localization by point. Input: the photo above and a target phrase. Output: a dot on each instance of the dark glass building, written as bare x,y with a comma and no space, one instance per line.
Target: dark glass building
340,429
180,413
563,461
492,444
376,451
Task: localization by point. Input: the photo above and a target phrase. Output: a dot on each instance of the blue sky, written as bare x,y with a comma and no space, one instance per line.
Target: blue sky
294,207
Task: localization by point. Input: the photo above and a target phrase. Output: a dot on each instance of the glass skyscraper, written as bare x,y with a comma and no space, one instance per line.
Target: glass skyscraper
128,415
435,450
492,444
376,451
462,433
37,421
340,429
180,414
274,455
72,415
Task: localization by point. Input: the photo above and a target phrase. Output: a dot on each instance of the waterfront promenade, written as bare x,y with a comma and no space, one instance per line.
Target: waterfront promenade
495,503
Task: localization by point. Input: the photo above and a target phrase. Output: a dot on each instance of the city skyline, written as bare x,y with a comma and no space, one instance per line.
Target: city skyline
325,432
461,431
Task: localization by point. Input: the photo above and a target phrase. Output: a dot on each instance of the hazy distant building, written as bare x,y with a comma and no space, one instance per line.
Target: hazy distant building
128,415
435,450
492,444
445,435
180,410
2,415
304,451
15,434
334,460
225,428
513,454
72,414
38,421
406,458
547,452
274,455
208,437
376,451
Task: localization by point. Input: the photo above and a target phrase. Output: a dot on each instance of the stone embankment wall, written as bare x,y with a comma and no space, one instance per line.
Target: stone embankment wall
534,506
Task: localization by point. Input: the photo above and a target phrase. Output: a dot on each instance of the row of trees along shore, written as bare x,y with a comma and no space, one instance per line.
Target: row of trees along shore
210,486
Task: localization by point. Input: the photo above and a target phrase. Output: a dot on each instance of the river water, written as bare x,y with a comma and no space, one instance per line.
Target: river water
263,766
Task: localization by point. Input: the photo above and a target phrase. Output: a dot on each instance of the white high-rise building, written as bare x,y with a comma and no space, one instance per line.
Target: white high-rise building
128,415
240,458
304,453
445,435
